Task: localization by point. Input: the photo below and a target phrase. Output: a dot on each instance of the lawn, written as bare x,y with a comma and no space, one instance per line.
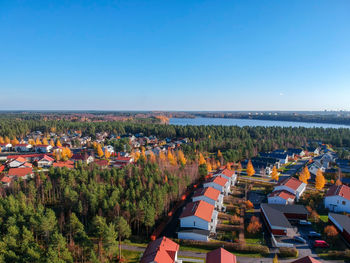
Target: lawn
131,256
324,218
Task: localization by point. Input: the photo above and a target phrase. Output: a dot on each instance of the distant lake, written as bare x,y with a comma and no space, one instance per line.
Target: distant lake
250,122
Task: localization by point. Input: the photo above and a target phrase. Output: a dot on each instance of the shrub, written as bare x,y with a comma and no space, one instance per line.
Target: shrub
288,252
254,225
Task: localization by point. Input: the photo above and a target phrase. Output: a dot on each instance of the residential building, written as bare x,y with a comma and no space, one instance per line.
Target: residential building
227,174
5,147
306,259
24,173
23,147
46,161
42,148
337,198
342,223
282,197
291,185
219,183
220,255
209,195
161,250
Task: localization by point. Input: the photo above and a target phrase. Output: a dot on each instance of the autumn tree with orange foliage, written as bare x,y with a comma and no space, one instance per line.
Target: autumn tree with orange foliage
338,182
14,141
201,159
45,142
37,141
171,158
274,174
305,175
249,204
161,156
209,167
319,181
228,166
52,143
331,232
7,140
152,157
99,151
2,139
181,158
58,143
254,225
250,168
107,154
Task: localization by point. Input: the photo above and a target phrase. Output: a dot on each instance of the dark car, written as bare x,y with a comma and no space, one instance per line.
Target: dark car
300,239
313,234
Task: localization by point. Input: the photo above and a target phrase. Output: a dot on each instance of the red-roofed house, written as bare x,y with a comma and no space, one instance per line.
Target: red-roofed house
227,174
19,161
161,250
219,183
337,198
23,173
220,255
6,181
68,164
306,259
281,197
121,161
84,157
23,147
46,161
209,195
200,215
291,185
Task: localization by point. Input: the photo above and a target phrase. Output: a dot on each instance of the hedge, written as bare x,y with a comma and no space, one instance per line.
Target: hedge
233,247
288,252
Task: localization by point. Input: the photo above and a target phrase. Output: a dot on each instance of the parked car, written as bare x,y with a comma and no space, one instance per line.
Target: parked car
313,234
304,223
300,239
321,244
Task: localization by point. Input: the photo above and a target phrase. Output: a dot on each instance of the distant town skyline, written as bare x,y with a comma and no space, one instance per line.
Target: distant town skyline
182,55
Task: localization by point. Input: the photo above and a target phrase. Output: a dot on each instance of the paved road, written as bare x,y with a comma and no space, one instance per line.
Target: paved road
184,254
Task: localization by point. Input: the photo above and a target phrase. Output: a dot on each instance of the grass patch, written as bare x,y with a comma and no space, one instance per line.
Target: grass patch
324,218
131,256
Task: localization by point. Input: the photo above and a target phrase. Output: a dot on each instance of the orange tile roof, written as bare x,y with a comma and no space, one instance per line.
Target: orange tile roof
20,171
20,159
220,255
339,190
227,172
283,194
161,250
306,259
68,164
292,183
209,192
218,180
200,209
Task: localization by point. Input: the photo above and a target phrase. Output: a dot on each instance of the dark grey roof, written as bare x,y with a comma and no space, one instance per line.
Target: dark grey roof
275,217
289,209
342,220
195,230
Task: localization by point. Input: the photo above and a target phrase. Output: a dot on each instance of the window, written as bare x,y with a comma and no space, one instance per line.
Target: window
194,223
343,203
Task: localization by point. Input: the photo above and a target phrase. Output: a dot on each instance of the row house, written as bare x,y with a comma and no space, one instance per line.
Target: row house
219,183
337,198
211,196
291,185
227,174
162,250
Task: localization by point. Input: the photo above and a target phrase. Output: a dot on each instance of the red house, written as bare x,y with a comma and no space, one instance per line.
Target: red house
161,250
220,255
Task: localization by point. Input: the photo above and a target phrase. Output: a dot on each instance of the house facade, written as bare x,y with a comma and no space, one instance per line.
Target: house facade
291,185
209,195
337,198
227,174
281,197
219,183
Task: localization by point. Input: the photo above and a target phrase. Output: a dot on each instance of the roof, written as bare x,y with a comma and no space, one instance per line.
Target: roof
291,182
20,171
289,209
22,145
275,217
161,250
227,172
283,194
306,259
339,190
218,180
20,159
68,164
342,220
209,192
200,209
220,255
47,158
6,179
42,145
102,162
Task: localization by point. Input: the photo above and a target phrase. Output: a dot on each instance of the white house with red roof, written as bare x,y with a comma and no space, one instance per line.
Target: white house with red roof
337,198
209,195
43,148
6,181
227,174
200,215
19,162
23,147
282,197
24,173
219,183
161,250
291,185
220,255
46,161
121,161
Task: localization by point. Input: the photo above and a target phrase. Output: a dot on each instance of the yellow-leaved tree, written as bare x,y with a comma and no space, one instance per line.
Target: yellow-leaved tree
107,154
201,159
2,139
161,156
52,143
181,157
304,175
58,143
152,157
171,158
319,181
250,168
37,141
99,151
7,140
14,141
45,142
274,174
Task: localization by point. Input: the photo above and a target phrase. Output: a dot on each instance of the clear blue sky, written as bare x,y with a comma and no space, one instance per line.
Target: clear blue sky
175,55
